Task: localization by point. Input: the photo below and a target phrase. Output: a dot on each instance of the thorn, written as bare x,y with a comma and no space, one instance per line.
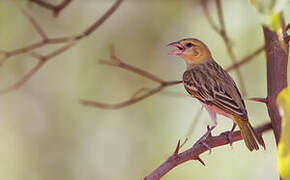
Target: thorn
208,129
287,27
186,139
177,148
287,38
262,141
261,100
207,146
230,138
200,160
229,135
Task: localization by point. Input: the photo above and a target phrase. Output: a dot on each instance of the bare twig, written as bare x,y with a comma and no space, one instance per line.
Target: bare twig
194,152
36,26
25,78
246,59
115,61
223,33
68,42
42,59
56,9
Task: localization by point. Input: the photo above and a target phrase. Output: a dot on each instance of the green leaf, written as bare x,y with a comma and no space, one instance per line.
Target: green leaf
283,102
275,22
269,11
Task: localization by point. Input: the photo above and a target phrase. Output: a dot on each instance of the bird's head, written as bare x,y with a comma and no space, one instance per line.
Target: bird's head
193,51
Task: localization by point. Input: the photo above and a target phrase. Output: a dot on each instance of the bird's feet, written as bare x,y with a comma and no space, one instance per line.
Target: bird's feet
202,140
230,133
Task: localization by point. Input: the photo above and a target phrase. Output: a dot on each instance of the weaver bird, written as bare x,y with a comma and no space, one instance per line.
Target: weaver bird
208,82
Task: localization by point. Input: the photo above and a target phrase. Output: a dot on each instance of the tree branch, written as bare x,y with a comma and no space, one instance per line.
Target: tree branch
194,152
67,42
117,62
276,80
277,61
223,33
56,9
36,26
246,59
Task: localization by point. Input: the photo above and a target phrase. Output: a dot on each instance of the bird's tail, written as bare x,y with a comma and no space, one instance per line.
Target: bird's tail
249,135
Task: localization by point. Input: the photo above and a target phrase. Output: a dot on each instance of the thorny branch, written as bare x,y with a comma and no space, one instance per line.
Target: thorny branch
56,9
67,42
197,149
223,33
277,59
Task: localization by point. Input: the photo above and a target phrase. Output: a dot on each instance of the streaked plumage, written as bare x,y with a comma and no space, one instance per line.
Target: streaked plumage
211,85
205,80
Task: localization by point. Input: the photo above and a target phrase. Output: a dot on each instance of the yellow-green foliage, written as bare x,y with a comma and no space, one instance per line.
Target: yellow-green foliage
270,12
283,101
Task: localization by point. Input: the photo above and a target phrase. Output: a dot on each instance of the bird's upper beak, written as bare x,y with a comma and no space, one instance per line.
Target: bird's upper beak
178,51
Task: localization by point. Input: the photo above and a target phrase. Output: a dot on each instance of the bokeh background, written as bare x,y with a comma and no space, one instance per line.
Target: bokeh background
46,134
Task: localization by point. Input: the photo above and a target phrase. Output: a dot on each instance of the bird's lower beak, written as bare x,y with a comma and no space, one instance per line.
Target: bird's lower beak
178,51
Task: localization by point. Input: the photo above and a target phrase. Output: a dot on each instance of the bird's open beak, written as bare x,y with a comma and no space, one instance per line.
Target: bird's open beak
178,51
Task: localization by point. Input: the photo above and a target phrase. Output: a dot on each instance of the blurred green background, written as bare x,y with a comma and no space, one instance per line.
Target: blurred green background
46,134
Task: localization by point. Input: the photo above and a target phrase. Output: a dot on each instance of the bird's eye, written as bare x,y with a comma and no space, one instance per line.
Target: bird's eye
188,45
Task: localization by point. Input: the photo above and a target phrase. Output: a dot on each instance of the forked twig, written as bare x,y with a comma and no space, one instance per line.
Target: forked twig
117,62
67,42
56,9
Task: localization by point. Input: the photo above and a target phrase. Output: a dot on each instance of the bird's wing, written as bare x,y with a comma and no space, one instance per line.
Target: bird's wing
215,88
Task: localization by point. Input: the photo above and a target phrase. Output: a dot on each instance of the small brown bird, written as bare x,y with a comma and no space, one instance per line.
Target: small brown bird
205,80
